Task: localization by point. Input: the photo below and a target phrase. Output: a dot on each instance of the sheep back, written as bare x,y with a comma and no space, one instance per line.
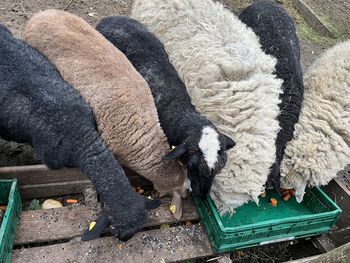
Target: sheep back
277,36
120,98
320,147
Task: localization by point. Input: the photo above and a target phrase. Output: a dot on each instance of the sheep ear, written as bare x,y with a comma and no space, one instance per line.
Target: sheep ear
229,142
176,152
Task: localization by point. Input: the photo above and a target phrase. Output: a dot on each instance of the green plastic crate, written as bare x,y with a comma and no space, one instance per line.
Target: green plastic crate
9,196
254,225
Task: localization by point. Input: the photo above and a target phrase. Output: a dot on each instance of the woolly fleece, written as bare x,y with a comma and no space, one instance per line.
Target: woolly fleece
320,147
120,98
230,80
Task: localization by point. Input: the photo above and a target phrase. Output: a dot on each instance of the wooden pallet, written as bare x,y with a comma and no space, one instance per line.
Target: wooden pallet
53,235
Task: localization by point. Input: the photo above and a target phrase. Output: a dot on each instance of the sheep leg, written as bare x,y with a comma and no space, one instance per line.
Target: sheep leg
124,207
100,225
275,181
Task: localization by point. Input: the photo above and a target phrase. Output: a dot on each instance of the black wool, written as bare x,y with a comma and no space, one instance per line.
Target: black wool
38,107
277,33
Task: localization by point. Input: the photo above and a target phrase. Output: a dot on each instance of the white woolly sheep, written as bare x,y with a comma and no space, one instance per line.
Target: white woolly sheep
320,147
120,98
230,80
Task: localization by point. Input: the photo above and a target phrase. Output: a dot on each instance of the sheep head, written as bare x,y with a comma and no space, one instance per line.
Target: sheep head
204,156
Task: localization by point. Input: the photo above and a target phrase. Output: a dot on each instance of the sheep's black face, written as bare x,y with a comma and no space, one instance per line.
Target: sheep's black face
200,175
204,158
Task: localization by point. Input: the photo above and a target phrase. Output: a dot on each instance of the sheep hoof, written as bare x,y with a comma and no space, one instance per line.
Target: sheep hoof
176,202
277,186
96,228
152,204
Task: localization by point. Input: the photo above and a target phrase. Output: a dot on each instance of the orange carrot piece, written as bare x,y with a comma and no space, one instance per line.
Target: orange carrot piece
273,202
72,201
285,192
286,197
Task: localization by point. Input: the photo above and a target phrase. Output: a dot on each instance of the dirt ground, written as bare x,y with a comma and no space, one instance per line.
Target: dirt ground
14,14
335,14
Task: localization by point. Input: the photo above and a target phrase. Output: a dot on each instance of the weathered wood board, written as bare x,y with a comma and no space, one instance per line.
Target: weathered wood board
313,20
161,245
339,193
69,222
37,181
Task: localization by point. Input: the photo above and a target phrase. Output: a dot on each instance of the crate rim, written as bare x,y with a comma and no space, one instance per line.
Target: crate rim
222,248
10,202
274,222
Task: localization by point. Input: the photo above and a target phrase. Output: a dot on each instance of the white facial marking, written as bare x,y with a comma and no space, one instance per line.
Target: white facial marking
210,145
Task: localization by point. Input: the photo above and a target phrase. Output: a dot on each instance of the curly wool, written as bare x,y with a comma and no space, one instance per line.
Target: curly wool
120,98
321,143
230,80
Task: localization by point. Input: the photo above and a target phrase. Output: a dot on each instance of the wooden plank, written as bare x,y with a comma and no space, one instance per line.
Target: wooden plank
337,255
40,174
338,192
303,260
53,189
311,18
340,236
69,222
52,224
161,245
323,243
37,181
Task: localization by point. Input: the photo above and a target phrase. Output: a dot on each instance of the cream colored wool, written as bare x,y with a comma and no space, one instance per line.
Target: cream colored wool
229,79
120,98
320,147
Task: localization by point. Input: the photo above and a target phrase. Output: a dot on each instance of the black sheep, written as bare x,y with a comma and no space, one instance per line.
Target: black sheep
278,37
38,107
197,141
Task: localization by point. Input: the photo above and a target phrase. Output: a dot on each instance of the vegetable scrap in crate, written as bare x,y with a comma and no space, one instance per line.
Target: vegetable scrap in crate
286,194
